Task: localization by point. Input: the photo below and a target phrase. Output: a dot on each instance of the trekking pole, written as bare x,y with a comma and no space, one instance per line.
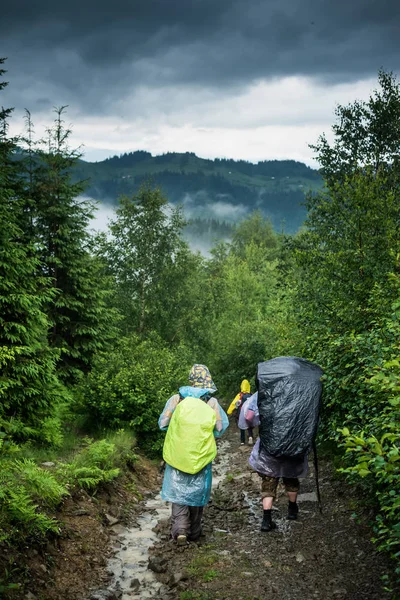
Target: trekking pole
314,447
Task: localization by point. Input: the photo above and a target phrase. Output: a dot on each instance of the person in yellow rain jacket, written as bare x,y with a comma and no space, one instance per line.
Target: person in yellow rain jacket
192,419
236,406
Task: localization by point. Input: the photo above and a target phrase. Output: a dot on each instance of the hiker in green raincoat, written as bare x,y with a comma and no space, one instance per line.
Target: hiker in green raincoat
193,419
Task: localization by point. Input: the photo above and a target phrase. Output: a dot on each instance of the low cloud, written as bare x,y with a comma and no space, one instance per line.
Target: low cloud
102,217
198,243
200,205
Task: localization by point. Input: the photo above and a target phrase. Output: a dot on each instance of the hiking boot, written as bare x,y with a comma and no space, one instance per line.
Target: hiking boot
242,443
181,540
267,523
293,510
251,441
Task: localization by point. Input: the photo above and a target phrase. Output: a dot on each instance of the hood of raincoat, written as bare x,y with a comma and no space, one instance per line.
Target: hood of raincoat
194,392
245,387
200,377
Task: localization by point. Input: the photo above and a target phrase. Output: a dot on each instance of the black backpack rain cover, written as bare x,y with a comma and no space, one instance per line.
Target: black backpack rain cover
289,398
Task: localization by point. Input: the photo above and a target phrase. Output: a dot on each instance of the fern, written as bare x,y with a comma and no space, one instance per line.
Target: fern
23,485
27,490
22,510
39,483
88,477
99,454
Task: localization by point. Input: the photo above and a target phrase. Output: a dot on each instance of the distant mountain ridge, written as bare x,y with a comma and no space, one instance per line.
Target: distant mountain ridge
221,189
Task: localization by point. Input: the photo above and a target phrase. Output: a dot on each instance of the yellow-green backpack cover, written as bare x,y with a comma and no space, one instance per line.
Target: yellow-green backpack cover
189,444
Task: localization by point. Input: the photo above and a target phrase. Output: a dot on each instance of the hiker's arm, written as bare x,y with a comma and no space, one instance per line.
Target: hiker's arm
213,402
222,421
168,411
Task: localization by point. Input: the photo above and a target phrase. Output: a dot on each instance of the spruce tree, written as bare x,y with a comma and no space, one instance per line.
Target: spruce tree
29,388
80,321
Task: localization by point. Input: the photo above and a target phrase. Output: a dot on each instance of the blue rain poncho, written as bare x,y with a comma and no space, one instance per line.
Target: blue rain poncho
184,488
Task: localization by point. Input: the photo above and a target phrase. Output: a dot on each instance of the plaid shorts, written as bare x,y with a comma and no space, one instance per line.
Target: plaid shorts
270,484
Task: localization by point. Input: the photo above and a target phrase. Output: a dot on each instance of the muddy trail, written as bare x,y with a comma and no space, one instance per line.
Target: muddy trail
116,545
322,556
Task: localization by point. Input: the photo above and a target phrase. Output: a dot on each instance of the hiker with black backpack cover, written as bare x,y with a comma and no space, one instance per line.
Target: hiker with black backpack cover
289,397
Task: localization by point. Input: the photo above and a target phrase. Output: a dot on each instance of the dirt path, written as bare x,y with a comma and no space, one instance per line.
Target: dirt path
319,556
324,557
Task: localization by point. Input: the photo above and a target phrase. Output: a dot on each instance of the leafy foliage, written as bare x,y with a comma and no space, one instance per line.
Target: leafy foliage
373,447
130,386
92,466
347,296
22,486
30,493
142,253
249,311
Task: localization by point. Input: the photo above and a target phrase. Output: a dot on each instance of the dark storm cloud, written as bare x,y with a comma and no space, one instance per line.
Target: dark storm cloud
90,52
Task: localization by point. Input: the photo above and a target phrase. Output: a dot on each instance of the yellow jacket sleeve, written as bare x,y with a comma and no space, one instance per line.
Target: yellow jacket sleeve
232,405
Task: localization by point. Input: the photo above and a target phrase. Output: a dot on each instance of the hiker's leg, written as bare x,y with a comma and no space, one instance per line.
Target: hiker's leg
268,491
292,486
196,513
180,520
250,432
242,436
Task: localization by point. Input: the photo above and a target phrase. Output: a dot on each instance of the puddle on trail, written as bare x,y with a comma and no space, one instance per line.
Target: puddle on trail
131,578
129,566
221,464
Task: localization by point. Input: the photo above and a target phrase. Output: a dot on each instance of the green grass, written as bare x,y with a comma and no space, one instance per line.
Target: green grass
74,442
210,575
200,565
71,443
195,596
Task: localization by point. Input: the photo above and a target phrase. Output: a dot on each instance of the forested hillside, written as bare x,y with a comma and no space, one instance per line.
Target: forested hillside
221,189
98,331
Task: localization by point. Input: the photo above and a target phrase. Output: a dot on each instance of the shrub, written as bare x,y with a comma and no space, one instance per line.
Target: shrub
373,454
129,387
362,411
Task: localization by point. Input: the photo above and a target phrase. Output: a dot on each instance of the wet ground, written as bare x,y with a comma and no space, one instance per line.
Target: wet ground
319,556
117,546
84,558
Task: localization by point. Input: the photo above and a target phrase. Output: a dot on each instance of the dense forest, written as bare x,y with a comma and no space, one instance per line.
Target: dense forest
97,331
206,188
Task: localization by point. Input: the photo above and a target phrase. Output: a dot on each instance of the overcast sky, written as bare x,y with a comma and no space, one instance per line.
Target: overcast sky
230,78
